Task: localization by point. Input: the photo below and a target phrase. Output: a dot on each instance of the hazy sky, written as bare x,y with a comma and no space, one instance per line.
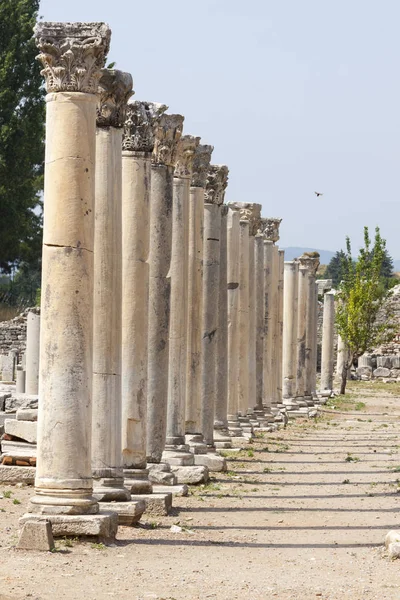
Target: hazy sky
296,96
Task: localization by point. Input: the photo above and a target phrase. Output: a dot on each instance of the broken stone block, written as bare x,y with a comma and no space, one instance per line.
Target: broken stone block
25,430
27,414
20,401
36,535
18,449
157,504
384,361
394,550
214,462
17,475
191,475
381,372
392,537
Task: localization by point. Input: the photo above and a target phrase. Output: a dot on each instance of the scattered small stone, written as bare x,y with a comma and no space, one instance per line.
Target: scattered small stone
36,535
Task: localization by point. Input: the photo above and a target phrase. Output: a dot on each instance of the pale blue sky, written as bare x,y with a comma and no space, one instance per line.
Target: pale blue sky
295,95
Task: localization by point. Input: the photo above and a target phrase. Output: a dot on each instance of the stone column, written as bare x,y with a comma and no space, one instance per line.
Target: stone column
275,330
32,353
328,332
233,242
201,164
221,433
137,146
176,451
279,345
168,132
301,332
314,347
217,179
341,357
115,88
312,262
259,313
291,276
72,55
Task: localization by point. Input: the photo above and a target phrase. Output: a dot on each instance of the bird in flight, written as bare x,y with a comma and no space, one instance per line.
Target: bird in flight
318,194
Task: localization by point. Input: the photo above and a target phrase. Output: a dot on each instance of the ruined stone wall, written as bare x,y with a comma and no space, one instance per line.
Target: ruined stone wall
13,332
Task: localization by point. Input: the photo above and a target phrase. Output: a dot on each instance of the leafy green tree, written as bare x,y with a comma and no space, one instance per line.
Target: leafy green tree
21,136
334,270
361,298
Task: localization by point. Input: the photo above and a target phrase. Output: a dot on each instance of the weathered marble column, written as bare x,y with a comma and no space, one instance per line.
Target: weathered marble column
259,313
275,331
201,165
168,132
279,344
244,325
137,146
115,88
290,300
301,331
233,242
312,261
341,358
32,353
176,451
221,433
72,55
217,180
314,347
328,332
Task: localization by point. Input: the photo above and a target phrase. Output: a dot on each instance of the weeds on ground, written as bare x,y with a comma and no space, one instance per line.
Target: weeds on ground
351,458
98,546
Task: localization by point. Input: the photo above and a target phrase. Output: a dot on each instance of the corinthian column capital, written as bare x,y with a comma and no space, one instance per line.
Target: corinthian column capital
114,91
249,211
270,228
216,183
140,120
72,55
310,261
201,164
168,132
185,155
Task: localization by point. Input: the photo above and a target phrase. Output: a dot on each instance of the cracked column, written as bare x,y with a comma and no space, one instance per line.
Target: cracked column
312,260
290,301
72,55
176,451
217,180
259,315
115,88
233,238
137,146
279,345
328,333
201,163
168,132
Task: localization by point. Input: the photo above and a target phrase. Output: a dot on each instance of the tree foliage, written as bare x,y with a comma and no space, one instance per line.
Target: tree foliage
361,298
334,270
21,136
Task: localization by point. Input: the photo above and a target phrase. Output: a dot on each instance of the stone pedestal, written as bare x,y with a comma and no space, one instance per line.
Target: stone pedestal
137,146
63,485
115,88
167,134
32,354
328,331
290,301
217,179
175,447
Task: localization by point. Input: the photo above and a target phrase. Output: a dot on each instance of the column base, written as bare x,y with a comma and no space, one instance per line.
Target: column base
213,461
290,404
234,429
178,456
129,513
196,443
222,439
137,481
101,526
109,489
158,503
63,502
160,473
192,475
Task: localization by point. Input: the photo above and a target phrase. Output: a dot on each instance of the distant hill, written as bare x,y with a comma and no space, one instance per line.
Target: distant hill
326,255
396,266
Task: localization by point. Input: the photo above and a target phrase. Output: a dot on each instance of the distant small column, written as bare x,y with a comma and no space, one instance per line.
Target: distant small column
201,165
342,356
175,447
217,180
290,332
32,353
137,146
168,132
328,331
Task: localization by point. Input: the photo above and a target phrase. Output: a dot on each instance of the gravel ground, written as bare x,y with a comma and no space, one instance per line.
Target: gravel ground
301,514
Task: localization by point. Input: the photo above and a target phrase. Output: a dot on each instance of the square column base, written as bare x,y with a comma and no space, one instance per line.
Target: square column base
214,462
156,504
129,513
102,526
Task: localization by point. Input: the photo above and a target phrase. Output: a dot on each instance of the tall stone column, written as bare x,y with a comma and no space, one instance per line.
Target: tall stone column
201,165
115,88
221,434
314,347
279,345
176,451
137,146
32,353
168,132
259,313
342,353
290,301
72,55
328,332
233,243
217,180
301,332
312,262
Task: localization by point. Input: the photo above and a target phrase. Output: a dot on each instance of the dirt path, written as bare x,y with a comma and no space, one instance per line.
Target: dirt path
301,514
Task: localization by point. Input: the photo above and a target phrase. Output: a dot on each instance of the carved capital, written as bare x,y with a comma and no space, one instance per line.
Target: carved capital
168,132
115,89
270,228
185,155
139,125
201,164
310,261
72,55
249,211
216,183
